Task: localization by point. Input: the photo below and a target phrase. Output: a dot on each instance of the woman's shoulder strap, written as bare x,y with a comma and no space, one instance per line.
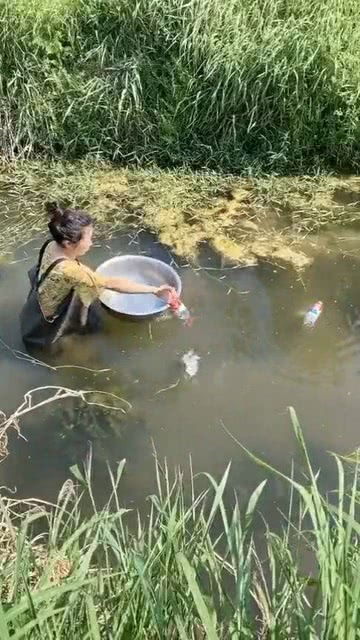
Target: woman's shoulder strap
42,250
38,264
49,270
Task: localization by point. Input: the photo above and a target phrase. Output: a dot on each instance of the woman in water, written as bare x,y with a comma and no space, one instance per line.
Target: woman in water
63,292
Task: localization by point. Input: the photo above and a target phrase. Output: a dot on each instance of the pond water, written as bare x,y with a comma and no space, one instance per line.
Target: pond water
255,360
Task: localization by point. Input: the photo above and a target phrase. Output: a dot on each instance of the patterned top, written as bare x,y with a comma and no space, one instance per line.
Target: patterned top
67,275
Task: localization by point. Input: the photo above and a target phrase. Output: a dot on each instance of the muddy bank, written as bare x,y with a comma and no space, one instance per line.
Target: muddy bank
281,220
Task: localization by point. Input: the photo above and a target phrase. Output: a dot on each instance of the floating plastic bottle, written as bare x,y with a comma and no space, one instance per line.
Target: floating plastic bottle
312,316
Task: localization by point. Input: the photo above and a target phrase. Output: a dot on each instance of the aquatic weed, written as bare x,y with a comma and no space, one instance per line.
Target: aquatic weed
243,219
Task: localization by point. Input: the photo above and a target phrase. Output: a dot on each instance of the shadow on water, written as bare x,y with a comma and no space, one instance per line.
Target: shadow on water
255,360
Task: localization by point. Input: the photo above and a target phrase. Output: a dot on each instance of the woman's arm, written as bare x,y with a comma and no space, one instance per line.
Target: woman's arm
124,285
88,284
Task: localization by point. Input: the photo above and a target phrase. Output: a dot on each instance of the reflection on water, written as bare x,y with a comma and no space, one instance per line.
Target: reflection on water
255,360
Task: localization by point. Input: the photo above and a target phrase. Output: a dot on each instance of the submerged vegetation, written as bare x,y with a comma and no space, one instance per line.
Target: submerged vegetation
195,567
257,84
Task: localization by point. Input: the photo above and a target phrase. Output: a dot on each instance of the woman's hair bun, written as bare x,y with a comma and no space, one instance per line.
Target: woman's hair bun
66,224
53,209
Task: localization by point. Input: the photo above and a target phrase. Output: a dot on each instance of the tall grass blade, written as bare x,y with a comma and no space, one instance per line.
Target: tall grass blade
203,611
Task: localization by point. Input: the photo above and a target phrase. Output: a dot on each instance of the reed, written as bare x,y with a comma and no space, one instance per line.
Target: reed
238,86
191,569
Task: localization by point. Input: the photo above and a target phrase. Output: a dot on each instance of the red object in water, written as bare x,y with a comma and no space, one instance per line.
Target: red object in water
178,308
174,301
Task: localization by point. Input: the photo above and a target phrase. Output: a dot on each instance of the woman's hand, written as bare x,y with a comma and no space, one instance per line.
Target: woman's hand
161,292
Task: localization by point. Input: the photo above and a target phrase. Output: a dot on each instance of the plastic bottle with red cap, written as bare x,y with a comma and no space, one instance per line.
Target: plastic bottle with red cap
178,308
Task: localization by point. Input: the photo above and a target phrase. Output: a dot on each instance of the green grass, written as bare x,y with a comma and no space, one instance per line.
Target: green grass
192,569
242,85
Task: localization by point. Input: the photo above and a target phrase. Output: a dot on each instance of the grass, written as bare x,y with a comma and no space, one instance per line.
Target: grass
193,568
256,85
244,220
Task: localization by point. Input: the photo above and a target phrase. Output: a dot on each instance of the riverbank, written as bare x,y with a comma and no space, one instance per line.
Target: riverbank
197,83
191,569
243,219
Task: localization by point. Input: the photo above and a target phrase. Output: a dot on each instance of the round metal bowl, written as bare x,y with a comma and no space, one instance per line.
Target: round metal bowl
145,271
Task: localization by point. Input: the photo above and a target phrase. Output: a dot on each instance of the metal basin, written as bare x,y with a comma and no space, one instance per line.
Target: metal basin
145,271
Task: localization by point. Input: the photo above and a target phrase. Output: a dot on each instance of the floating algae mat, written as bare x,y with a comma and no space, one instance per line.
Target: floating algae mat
244,220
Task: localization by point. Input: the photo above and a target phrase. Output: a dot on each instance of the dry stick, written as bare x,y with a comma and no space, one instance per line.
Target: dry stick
20,355
134,236
172,386
77,366
17,261
234,268
219,280
60,394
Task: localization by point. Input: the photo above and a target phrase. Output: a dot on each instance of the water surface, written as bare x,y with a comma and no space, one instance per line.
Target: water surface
256,360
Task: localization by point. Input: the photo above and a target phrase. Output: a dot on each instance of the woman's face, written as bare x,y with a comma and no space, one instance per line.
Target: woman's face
85,243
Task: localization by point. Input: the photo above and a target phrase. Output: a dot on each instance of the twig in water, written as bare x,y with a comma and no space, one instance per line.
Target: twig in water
220,280
77,366
150,332
59,393
172,386
134,236
24,356
17,261
20,355
234,268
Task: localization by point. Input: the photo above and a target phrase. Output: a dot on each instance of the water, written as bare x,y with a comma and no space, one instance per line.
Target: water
255,360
